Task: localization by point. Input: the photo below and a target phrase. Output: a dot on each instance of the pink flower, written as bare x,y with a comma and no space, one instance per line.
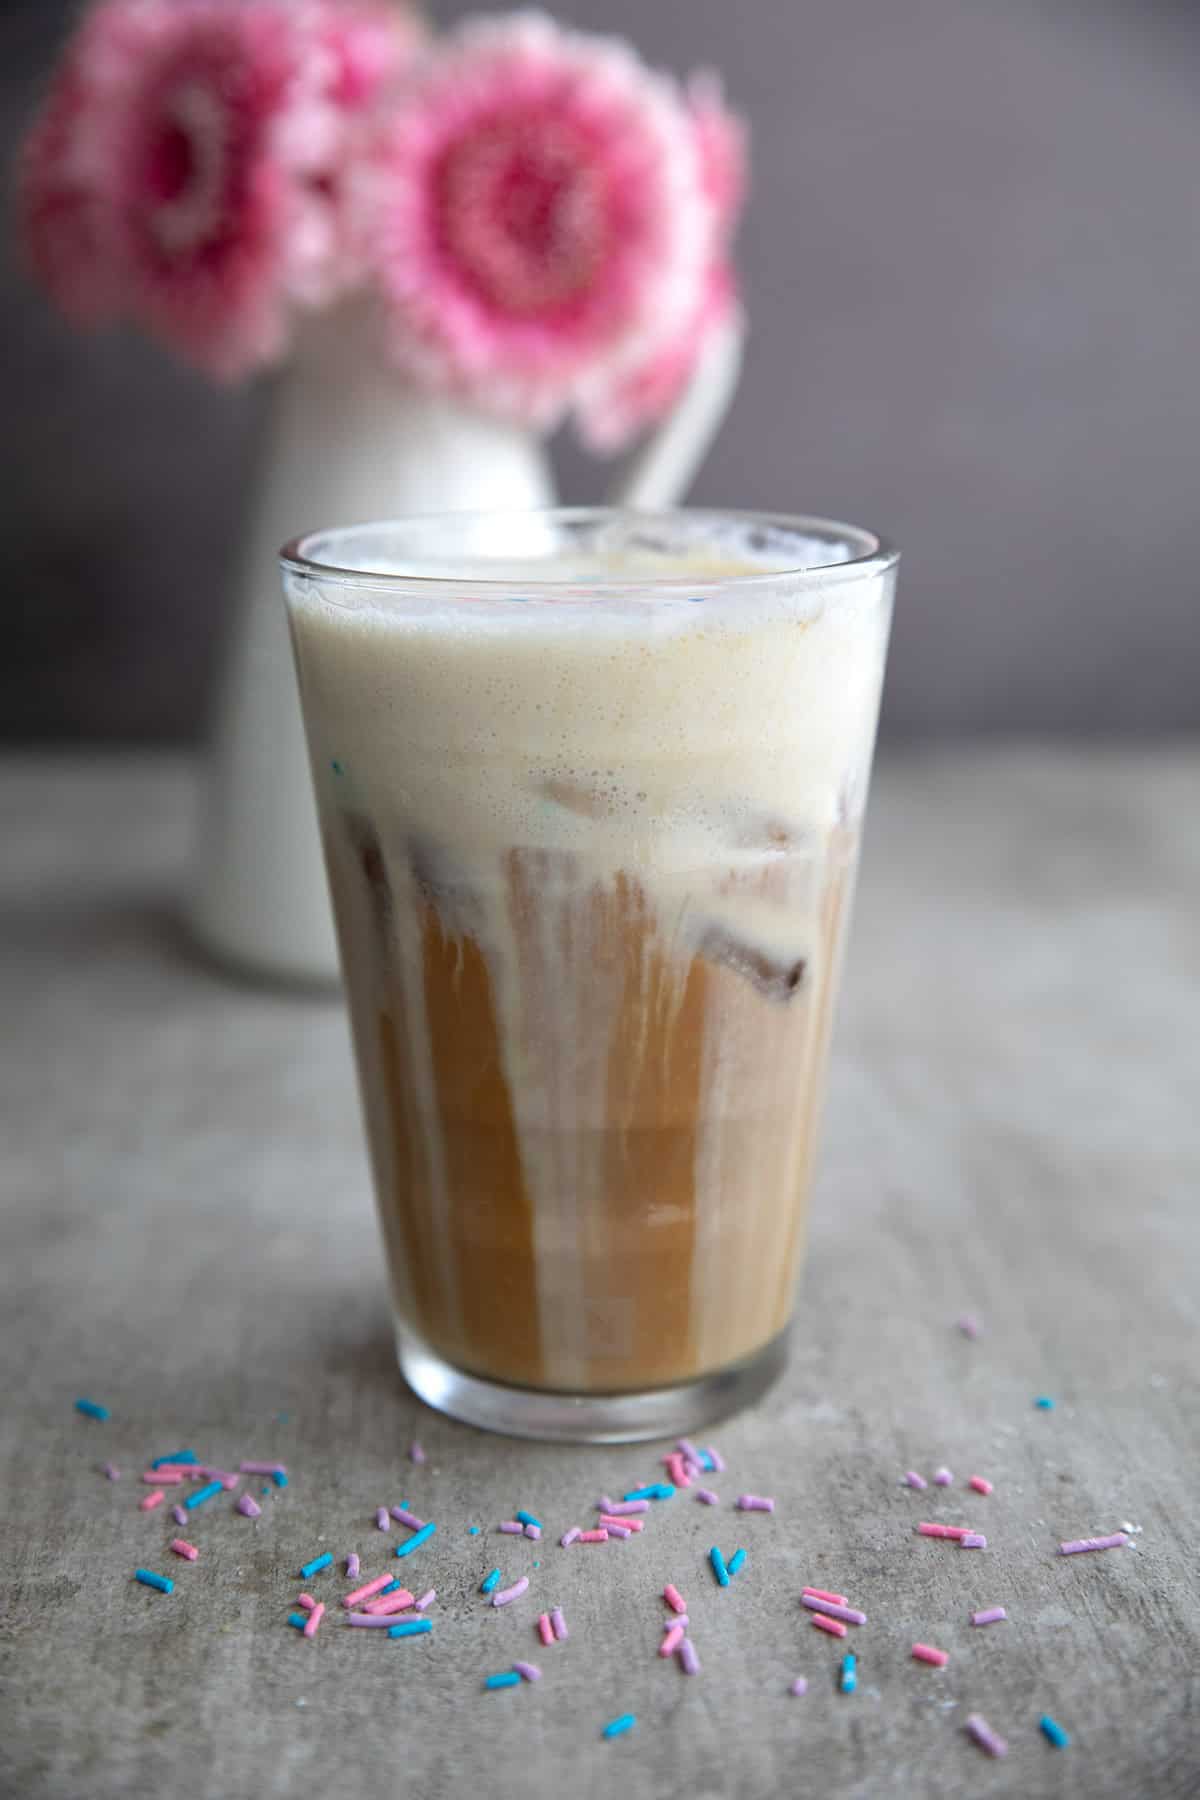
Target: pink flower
537,209
720,138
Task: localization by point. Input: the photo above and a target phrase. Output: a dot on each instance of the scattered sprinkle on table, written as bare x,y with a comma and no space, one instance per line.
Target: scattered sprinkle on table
176,1456
544,1628
182,1548
149,1501
913,1480
528,1671
672,1638
111,1470
984,1736
426,1599
798,1687
365,1592
943,1478
167,1477
834,1627
472,1531
313,1622
279,1477
352,1566
622,1520
381,1620
527,1518
249,1508
316,1565
707,1498
535,1532
689,1662
718,1567
91,1409
657,1490
148,1578
674,1598
505,1596
491,1582
570,1537
417,1539
415,1452
179,1515
402,1516
755,1503
929,1528
969,1325
990,1615
507,1678
382,1519
824,1594
716,1461
737,1562
202,1494
833,1609
513,1527
593,1537
410,1628
618,1727
262,1468
1044,1403
1118,1541
849,1676
1054,1732
299,1620
980,1483
928,1653
972,1540
624,1509
558,1624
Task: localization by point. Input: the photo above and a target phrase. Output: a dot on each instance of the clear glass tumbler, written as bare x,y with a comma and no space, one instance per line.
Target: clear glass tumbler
591,786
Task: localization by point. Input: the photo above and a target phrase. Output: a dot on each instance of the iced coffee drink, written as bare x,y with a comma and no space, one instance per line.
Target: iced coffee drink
591,788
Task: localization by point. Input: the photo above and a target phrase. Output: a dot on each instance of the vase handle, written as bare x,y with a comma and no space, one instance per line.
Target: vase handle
662,469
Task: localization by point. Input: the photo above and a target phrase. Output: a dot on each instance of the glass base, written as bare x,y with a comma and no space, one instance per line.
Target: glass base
587,1418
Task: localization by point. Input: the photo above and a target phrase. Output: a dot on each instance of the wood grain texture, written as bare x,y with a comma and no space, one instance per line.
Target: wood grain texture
187,1235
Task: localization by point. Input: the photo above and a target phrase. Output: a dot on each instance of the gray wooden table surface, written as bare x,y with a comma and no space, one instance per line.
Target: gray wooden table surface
1014,1130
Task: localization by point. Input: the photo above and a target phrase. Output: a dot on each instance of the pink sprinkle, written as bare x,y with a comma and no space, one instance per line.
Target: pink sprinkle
149,1501
570,1537
676,1470
980,1484
164,1472
533,1531
407,1518
984,1736
969,1325
991,1615
943,1478
513,1527
593,1537
559,1624
1117,1541
112,1471
833,1626
927,1654
913,1480
972,1540
503,1596
427,1599
306,1601
182,1548
314,1619
528,1671
754,1503
247,1505
399,1601
352,1566
364,1593
715,1459
155,1477
382,1521
262,1468
610,1523
798,1687
545,1629
674,1598
824,1594
927,1529
202,1472
671,1641
615,1529
415,1452
179,1514
833,1609
364,1618
624,1509
689,1662
708,1497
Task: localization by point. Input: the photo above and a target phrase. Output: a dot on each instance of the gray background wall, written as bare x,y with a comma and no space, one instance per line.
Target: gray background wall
972,261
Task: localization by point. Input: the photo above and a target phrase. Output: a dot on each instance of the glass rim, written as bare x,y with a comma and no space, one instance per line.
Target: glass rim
307,554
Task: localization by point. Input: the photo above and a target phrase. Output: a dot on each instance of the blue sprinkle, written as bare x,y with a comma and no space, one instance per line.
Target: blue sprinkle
718,1566
1054,1731
473,1530
264,1490
92,1408
618,1727
279,1478
849,1679
1044,1404
336,766
658,1490
506,1678
520,598
389,1589
706,1461
736,1561
490,1582
203,1494
410,1628
148,1578
537,1565
695,599
281,1418
178,1456
417,1539
527,1518
299,1620
316,1565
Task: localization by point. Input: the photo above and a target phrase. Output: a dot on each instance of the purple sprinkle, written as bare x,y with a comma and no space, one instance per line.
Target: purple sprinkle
912,1479
248,1507
558,1624
528,1671
406,1518
850,1614
969,1325
604,1504
260,1468
427,1599
708,1497
533,1531
569,1537
179,1515
799,1686
756,1503
716,1459
614,1529
676,1619
991,1615
972,1540
622,1509
1117,1541
943,1478
371,1619
688,1449
689,1662
112,1471
382,1521
353,1566
502,1596
415,1452
513,1527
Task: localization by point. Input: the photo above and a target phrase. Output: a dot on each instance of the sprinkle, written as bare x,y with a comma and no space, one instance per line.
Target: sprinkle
535,1531
980,1484
974,1540
593,1537
528,1671
184,1549
306,1601
527,1518
984,1736
674,1598
544,1628
491,1582
507,1678
824,1594
927,1529
926,1653
222,1476
149,1501
707,1496
505,1595
671,1640
623,1509
172,1472
364,1593
737,1562
615,1529
417,1539
688,1449
754,1503
1054,1731
316,1565
513,1527
262,1468
111,1470
393,1586
570,1537
618,1727
154,1476
833,1609
382,1518
179,1515
943,1478
834,1627
473,1530
718,1567
1044,1404
299,1620
352,1566
913,1480
427,1599
559,1624
657,1490
248,1506
314,1619
92,1409
279,1477
991,1615
611,1522
604,1504
798,1687
176,1456
202,1494
969,1325
410,1628
148,1578
415,1452
676,1470
403,1517
715,1461
386,1603
706,1461
1117,1541
849,1677
689,1662
382,1620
